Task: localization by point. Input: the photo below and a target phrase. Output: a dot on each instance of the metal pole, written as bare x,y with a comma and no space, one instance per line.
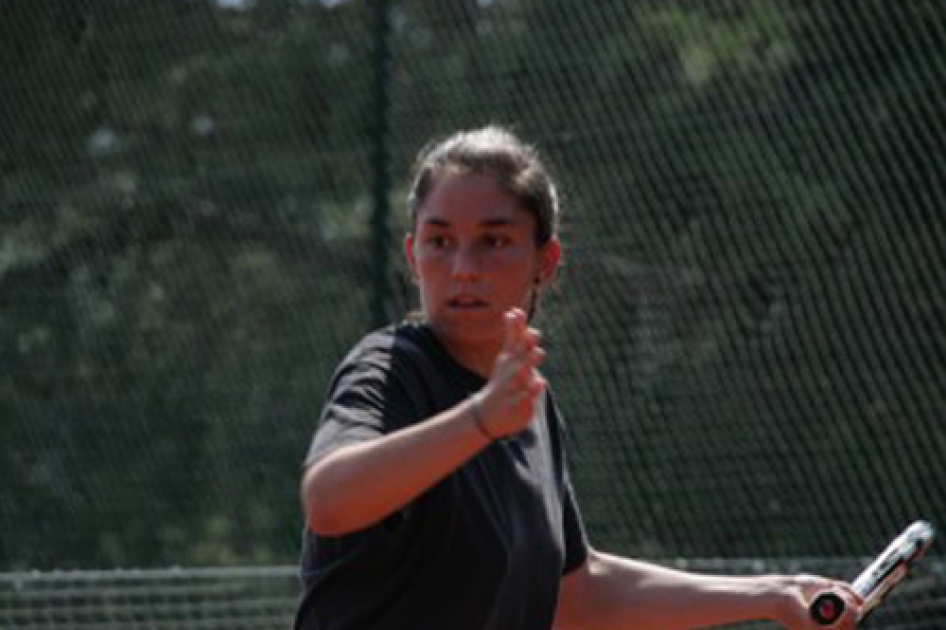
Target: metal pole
380,131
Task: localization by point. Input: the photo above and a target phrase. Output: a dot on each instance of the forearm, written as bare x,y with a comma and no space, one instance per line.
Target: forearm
611,593
363,483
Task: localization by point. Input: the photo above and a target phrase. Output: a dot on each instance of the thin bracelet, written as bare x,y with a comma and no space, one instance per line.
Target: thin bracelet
478,419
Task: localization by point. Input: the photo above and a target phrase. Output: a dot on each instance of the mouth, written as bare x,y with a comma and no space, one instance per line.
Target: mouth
467,302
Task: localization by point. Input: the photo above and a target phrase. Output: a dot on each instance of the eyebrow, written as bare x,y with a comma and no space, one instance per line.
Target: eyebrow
488,223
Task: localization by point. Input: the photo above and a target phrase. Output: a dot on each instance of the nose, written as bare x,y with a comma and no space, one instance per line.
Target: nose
466,264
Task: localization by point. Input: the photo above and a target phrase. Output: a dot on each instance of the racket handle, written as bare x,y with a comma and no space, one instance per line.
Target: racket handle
827,608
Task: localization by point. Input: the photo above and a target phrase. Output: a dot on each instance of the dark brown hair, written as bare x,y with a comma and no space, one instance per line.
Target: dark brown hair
493,150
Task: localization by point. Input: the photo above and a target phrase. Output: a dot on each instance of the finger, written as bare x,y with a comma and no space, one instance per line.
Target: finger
513,330
814,586
528,396
526,339
532,338
537,389
524,377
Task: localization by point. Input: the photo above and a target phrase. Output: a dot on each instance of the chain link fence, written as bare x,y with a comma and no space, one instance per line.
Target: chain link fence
201,209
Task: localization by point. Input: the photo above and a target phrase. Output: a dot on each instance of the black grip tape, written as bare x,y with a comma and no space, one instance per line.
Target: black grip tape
827,608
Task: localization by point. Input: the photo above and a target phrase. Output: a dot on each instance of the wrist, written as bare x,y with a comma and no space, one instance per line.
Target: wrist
782,598
479,418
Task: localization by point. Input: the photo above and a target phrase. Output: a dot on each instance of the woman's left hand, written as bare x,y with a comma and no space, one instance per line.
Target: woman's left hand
800,592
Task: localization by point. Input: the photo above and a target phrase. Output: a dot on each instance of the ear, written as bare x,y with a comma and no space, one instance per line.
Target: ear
550,257
409,255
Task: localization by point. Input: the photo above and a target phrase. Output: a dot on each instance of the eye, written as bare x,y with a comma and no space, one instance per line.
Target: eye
438,241
497,241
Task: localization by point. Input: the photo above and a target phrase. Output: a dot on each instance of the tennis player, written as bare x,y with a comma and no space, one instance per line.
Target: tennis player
436,493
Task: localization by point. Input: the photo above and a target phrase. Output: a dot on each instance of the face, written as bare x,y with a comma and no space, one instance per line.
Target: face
474,255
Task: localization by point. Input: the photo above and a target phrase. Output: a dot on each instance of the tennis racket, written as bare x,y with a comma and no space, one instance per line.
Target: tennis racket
880,577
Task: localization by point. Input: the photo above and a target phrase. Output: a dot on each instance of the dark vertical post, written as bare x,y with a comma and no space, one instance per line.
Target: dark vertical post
380,227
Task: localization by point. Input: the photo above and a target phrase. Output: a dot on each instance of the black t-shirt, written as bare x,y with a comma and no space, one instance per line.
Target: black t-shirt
484,549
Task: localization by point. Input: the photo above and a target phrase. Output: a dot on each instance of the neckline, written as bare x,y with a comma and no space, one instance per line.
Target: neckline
465,377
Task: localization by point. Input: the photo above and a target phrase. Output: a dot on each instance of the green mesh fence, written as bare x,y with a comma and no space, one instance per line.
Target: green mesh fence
201,209
156,599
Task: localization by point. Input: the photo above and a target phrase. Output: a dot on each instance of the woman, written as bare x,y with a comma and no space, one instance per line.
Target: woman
435,492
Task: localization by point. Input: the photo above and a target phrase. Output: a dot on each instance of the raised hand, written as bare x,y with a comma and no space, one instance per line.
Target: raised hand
507,402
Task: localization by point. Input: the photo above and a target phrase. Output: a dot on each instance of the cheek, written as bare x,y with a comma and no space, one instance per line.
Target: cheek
428,262
430,272
517,273
516,263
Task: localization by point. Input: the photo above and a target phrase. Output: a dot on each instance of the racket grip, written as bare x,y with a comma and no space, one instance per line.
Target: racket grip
827,608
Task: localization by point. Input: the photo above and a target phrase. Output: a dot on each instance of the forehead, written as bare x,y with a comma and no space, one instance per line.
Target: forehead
472,198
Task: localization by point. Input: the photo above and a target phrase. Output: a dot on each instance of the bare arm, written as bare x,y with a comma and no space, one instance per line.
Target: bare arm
360,484
608,593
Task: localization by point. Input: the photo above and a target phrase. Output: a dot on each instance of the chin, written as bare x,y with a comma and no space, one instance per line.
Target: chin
470,330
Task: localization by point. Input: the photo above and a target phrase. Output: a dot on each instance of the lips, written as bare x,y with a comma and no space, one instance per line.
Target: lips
467,302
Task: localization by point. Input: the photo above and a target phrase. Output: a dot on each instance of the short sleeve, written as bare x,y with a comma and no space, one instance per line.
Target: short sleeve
573,528
576,539
366,400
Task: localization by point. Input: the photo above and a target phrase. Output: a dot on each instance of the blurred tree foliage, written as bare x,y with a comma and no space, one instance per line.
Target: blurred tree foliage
749,340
